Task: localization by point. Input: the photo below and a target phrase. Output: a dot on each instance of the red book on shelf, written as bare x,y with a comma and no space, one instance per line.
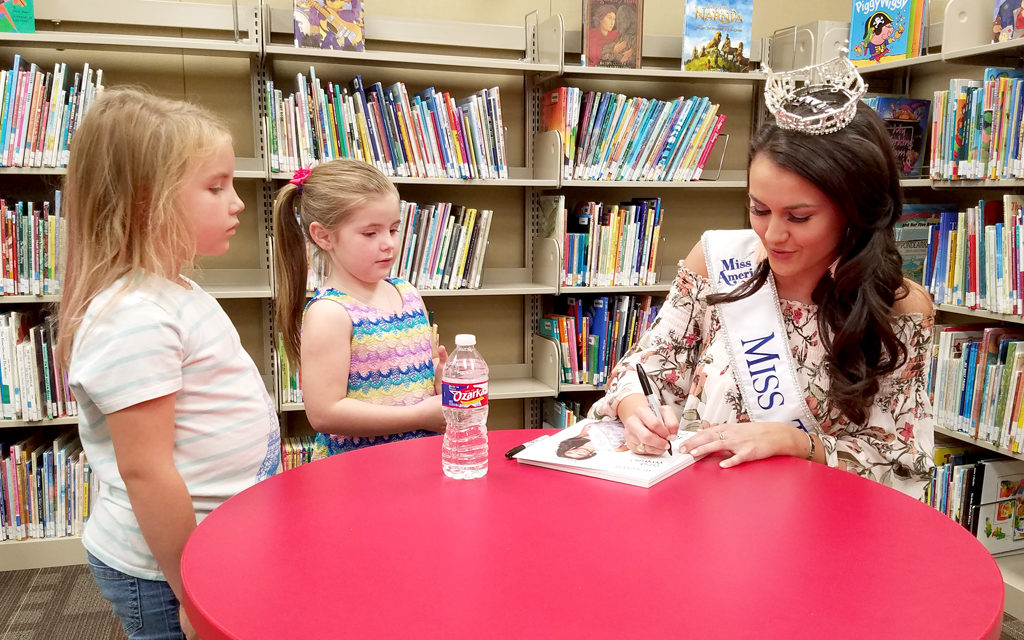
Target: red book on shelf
707,148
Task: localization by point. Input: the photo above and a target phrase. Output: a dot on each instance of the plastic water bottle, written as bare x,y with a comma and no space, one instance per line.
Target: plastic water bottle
464,403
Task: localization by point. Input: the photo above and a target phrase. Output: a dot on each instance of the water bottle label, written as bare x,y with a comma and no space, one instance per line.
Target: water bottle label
464,395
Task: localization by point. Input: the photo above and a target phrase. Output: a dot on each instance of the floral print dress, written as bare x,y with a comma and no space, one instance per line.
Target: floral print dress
685,354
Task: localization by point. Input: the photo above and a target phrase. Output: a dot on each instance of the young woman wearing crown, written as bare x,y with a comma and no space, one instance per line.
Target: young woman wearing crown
800,336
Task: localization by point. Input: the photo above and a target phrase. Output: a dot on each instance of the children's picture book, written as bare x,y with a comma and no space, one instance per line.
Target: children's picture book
879,30
912,231
612,33
329,24
597,448
907,120
17,16
1007,20
998,502
716,35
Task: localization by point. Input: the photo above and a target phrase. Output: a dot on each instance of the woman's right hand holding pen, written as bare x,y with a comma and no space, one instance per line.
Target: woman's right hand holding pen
646,432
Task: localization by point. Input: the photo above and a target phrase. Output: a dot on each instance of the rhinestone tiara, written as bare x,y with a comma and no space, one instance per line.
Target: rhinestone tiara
838,75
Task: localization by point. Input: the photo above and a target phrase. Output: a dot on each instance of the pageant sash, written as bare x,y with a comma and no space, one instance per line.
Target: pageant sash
755,336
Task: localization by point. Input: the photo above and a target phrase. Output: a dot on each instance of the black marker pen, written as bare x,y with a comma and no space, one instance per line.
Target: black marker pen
519,447
652,400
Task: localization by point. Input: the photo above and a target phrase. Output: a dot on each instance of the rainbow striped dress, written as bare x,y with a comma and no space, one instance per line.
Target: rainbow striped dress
390,361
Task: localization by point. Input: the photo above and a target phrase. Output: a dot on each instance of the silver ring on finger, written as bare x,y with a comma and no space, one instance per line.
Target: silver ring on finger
641,448
721,434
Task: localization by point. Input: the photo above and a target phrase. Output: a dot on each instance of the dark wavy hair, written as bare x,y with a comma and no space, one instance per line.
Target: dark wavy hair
573,443
857,169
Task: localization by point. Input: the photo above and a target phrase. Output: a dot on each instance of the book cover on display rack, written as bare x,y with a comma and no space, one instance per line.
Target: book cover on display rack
17,16
716,35
1007,20
612,33
597,448
329,24
879,31
907,121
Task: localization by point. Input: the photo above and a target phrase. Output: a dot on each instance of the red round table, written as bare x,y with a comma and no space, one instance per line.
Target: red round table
378,543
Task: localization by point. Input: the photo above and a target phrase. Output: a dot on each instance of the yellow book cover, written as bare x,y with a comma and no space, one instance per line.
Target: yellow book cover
464,248
364,132
612,254
689,163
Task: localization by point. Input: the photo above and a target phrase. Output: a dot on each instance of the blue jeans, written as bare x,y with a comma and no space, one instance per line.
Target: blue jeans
147,609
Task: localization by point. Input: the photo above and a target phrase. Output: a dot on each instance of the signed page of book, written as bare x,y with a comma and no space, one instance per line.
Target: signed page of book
598,448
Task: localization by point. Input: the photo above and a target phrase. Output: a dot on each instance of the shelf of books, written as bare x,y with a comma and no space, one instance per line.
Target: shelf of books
602,248
591,333
60,67
615,139
431,137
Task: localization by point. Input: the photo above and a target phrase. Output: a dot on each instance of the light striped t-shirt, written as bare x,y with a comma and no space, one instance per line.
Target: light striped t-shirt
154,340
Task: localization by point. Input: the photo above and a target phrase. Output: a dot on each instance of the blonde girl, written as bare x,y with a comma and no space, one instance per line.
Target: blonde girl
174,415
365,349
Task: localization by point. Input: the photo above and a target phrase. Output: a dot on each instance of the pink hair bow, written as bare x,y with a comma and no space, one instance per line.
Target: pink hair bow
299,177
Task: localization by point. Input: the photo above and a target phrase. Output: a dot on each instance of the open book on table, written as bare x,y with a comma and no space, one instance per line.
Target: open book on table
598,448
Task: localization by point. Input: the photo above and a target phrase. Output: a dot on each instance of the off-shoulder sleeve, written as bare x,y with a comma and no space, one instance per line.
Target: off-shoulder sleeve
669,350
895,445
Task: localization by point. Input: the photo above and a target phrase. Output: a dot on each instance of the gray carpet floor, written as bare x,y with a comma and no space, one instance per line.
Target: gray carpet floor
63,603
60,603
